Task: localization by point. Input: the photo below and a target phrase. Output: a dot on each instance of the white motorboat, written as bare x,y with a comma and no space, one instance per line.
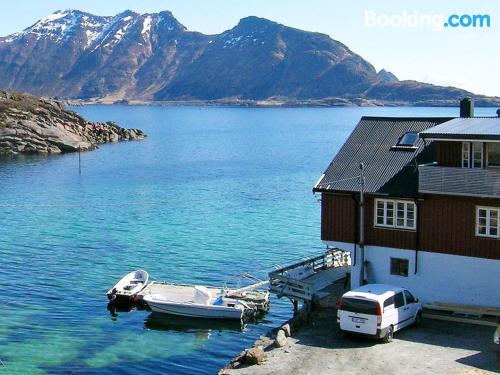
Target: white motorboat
128,286
196,302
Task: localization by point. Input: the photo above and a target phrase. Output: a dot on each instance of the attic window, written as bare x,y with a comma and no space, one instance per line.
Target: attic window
409,139
407,142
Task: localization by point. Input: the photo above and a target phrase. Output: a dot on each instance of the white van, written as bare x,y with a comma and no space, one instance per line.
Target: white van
378,310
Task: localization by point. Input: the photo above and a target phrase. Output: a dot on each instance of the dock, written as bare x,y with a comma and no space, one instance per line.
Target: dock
311,279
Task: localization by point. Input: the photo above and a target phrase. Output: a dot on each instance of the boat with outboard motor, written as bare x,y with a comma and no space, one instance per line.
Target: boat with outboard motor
131,284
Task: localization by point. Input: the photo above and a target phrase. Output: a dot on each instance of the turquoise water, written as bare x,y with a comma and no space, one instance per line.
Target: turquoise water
211,193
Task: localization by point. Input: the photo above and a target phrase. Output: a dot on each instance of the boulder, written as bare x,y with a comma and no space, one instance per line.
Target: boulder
255,356
113,137
280,340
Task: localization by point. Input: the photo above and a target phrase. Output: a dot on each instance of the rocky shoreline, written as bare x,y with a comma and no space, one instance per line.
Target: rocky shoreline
276,338
33,125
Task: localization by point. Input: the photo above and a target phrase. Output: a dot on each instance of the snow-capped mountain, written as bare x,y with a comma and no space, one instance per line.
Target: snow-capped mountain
64,25
73,54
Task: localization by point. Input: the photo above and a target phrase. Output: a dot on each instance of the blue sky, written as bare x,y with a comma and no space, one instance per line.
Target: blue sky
464,57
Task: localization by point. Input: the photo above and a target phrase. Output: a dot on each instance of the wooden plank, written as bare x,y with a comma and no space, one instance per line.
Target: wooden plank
465,309
450,318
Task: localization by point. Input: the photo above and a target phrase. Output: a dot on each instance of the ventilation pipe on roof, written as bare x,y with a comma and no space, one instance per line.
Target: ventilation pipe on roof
467,107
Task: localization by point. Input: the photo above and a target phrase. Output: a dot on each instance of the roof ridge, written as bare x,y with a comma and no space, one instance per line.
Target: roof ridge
389,118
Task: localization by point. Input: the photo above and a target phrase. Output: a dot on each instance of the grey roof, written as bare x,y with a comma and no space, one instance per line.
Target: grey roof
466,128
388,169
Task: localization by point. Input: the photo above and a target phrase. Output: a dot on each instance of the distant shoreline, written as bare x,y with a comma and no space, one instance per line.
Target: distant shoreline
318,103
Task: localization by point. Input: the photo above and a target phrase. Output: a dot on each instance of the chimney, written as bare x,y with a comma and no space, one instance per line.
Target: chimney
467,107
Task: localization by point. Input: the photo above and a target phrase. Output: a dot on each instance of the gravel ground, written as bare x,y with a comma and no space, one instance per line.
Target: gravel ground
435,347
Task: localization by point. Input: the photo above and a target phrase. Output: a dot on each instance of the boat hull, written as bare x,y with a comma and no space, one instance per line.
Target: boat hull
194,310
128,287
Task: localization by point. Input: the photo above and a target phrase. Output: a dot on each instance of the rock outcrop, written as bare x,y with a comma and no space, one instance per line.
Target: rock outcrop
29,124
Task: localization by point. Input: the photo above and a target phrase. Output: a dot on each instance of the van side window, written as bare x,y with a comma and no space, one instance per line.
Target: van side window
399,300
409,297
389,301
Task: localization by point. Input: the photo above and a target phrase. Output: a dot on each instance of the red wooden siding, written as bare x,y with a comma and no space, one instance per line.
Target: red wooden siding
448,154
445,225
448,225
338,223
338,218
402,239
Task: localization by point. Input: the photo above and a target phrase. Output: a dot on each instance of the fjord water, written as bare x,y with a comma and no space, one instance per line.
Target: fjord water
210,194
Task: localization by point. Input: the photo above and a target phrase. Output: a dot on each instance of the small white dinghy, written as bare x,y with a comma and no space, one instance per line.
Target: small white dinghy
196,302
128,286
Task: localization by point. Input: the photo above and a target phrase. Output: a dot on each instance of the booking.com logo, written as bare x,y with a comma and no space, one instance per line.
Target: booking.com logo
436,22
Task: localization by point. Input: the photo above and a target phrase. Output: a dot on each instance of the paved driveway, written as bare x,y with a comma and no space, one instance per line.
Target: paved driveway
435,347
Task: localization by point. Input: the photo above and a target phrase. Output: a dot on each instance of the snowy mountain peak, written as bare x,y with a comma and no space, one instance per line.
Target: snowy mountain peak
53,17
60,25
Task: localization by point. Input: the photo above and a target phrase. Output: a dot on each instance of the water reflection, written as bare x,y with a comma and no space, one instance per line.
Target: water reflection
202,328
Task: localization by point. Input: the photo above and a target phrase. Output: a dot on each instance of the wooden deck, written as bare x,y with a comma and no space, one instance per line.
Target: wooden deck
305,279
481,315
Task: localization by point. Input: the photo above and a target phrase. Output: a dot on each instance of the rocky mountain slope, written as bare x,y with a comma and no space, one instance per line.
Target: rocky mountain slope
152,57
34,125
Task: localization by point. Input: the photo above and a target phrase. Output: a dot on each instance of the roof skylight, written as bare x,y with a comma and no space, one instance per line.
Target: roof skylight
408,139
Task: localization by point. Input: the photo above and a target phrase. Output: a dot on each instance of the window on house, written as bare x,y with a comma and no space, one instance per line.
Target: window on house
494,154
472,155
477,155
408,139
487,219
399,267
465,155
395,214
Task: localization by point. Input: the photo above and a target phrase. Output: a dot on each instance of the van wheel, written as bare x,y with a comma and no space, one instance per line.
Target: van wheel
388,336
418,318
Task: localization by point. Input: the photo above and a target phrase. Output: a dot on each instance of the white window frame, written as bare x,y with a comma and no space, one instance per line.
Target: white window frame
488,226
469,150
395,203
465,154
473,150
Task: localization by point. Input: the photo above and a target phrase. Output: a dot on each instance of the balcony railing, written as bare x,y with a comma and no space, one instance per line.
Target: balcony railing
459,181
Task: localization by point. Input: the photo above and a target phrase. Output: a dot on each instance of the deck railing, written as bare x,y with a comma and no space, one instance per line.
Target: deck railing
459,181
293,280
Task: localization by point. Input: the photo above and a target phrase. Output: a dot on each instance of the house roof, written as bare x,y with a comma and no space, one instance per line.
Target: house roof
388,169
481,128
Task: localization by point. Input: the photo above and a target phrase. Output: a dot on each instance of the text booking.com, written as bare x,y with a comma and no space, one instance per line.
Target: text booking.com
436,22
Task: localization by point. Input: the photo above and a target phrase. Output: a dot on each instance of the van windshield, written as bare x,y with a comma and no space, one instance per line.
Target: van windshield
360,306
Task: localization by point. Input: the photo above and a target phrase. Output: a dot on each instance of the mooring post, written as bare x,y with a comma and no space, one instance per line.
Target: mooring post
79,161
